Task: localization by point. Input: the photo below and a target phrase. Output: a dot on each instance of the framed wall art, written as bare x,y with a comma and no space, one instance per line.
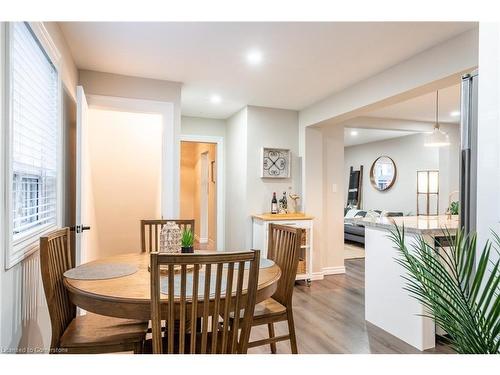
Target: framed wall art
275,163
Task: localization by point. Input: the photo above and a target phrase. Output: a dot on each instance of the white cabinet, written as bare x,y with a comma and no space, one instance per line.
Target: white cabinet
260,236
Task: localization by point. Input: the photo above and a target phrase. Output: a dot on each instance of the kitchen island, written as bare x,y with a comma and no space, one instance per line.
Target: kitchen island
387,304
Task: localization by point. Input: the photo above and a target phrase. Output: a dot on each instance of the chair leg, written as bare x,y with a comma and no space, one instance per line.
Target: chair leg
291,330
139,348
270,328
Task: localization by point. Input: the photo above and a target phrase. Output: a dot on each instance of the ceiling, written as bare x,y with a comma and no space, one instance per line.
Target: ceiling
302,62
423,108
370,135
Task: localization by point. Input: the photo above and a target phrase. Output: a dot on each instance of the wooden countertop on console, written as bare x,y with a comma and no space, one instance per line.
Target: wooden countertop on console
277,217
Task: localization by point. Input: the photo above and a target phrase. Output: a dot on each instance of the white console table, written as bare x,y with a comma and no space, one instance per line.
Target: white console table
260,235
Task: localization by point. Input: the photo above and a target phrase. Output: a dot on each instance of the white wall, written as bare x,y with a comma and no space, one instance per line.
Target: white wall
324,188
114,191
269,127
332,250
449,167
488,173
409,155
247,193
24,319
236,180
69,71
313,189
203,126
436,67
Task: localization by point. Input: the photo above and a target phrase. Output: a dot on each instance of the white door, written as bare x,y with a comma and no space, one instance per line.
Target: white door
82,222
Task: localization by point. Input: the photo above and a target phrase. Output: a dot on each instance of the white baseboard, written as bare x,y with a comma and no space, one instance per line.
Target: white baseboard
327,271
333,270
317,276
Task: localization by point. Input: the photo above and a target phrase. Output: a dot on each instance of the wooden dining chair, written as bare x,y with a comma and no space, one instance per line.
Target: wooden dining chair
283,248
90,333
150,232
202,289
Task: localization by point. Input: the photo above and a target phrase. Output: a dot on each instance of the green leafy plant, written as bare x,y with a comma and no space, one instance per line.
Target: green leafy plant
187,239
460,292
454,208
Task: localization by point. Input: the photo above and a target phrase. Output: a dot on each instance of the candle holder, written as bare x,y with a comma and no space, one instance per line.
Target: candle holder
170,238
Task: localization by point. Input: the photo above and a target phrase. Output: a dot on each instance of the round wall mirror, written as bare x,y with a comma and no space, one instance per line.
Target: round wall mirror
383,173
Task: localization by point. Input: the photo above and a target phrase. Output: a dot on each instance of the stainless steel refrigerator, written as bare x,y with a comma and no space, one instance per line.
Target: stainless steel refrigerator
468,160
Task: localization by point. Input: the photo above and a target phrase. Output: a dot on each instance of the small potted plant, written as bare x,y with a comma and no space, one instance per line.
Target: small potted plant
187,241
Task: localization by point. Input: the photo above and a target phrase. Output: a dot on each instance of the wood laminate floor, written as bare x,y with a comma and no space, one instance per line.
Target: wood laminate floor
330,318
353,251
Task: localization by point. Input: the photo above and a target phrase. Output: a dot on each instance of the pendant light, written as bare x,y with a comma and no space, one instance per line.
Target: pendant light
437,138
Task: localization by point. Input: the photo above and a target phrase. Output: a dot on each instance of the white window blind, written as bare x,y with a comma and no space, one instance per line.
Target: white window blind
35,133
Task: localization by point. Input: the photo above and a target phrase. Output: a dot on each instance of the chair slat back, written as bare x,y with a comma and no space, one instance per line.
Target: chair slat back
284,249
198,315
55,259
150,232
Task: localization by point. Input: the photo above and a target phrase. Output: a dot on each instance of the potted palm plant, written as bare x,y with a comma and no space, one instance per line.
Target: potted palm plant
458,286
187,241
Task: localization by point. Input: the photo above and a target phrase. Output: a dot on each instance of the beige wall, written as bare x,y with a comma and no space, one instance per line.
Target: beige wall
126,180
188,180
190,187
116,85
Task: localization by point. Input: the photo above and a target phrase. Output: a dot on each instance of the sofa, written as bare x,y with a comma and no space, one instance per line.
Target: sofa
355,232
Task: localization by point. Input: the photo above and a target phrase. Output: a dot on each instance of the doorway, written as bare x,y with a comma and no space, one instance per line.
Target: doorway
199,190
399,133
125,163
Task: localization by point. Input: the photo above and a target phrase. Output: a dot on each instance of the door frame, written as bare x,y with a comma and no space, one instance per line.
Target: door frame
221,197
170,170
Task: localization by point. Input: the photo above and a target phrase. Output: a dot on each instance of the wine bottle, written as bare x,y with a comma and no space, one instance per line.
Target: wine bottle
274,204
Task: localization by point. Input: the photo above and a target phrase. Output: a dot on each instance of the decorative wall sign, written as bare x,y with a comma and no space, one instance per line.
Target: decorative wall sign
275,163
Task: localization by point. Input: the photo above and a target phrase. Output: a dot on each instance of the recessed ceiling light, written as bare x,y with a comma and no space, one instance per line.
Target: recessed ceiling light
216,99
254,57
354,133
455,113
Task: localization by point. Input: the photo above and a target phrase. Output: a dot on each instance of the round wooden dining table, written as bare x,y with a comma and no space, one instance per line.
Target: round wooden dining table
129,296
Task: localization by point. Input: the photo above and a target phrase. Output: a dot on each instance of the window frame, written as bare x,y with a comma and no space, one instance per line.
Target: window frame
24,246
